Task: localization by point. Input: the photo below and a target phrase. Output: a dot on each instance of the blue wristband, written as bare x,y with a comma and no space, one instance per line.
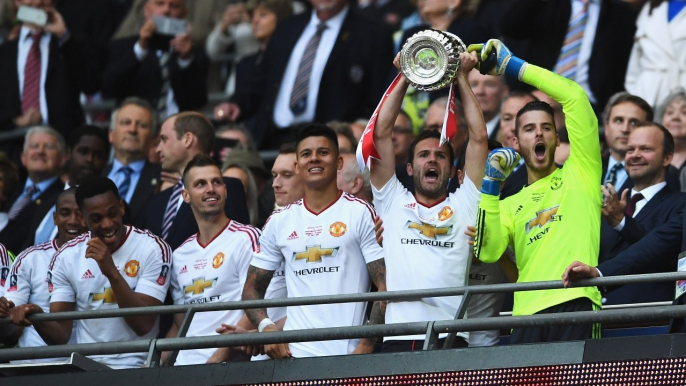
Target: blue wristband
514,65
491,187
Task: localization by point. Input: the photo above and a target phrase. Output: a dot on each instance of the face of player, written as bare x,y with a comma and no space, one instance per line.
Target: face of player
621,120
204,191
287,184
318,162
645,163
674,119
132,131
42,157
167,8
171,149
508,117
537,140
87,158
103,214
430,168
68,219
489,91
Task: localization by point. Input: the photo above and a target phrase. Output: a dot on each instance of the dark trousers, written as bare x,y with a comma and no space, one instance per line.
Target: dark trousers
559,333
417,345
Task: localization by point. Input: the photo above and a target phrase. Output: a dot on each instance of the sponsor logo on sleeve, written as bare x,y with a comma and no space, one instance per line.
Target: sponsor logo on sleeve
13,284
163,275
3,276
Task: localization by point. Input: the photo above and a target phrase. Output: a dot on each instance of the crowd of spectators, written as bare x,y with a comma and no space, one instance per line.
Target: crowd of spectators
187,156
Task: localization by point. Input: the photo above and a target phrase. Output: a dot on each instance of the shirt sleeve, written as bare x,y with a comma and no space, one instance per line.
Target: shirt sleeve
494,230
175,288
469,196
154,279
383,198
268,255
245,254
18,284
58,279
368,245
5,264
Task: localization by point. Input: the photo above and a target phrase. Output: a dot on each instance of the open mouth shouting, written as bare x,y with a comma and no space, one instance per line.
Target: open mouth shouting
540,151
431,174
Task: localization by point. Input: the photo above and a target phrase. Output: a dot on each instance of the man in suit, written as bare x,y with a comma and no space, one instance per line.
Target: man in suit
132,128
43,157
182,137
41,75
511,105
490,91
627,217
331,64
172,75
606,42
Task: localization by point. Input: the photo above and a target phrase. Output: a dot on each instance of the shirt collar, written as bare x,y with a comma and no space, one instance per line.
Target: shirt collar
42,186
136,166
650,191
611,162
25,33
334,23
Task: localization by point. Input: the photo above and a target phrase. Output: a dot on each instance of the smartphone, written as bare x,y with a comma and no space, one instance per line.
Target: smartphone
169,26
31,15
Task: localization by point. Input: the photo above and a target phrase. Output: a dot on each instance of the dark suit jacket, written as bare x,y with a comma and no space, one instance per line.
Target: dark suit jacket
184,225
352,84
125,76
543,24
61,86
20,232
656,212
148,185
672,178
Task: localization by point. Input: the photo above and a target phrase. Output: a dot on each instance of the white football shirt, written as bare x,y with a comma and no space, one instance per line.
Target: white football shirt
144,261
210,273
5,264
426,248
325,253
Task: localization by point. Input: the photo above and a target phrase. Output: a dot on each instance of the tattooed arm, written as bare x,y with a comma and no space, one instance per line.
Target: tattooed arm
377,272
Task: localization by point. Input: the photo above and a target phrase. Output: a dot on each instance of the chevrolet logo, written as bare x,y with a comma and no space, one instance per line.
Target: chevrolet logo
542,217
199,285
108,296
429,230
314,253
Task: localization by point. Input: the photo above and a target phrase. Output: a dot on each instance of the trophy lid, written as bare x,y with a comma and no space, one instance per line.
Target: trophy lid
430,59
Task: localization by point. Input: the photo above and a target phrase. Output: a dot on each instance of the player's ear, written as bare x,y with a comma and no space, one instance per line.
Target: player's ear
186,196
339,163
122,207
409,169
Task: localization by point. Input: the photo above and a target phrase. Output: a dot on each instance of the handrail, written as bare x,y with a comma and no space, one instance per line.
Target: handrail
351,298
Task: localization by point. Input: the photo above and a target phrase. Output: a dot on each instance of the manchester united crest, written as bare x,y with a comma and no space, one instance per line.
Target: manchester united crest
338,229
131,268
218,260
446,213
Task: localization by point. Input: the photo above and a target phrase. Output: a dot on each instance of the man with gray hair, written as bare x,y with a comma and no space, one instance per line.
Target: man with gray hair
132,128
43,157
352,180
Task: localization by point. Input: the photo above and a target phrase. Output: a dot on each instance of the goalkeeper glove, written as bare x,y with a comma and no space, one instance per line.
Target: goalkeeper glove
499,165
504,62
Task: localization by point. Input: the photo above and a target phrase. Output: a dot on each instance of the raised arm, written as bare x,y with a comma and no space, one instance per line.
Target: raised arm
382,170
477,147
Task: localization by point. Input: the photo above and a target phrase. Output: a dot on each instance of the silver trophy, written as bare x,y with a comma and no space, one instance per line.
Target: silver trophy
431,58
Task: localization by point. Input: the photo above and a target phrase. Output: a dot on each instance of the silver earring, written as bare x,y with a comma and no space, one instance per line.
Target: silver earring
450,10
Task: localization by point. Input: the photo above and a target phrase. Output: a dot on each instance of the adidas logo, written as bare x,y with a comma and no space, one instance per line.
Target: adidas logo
293,236
183,270
411,205
88,275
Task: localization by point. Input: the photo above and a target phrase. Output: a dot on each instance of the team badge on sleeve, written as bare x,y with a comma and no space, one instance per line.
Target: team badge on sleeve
3,276
338,229
49,280
163,275
13,284
131,268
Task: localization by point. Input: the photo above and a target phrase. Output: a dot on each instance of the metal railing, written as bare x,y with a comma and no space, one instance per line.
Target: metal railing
432,328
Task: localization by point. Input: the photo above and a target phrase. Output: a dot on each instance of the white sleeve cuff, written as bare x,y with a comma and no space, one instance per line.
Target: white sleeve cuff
599,273
140,52
155,290
620,226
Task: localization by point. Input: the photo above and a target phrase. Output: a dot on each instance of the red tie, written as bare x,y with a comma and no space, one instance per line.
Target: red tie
631,205
31,94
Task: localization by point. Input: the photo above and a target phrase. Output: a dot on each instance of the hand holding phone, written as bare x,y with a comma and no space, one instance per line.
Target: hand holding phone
31,15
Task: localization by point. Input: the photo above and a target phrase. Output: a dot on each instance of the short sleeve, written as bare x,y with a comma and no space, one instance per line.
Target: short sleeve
383,198
371,250
18,285
175,289
268,255
245,253
155,276
59,286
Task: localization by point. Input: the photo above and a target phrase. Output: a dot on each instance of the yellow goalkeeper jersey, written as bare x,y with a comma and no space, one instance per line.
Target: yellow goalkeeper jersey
556,220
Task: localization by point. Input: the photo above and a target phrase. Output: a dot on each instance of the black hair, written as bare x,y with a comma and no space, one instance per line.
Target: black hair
84,130
287,148
667,138
535,106
198,161
428,134
92,186
622,97
66,192
317,130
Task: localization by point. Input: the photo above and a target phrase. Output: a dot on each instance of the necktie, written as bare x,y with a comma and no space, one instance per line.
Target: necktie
164,90
298,102
172,208
612,176
631,205
31,92
126,182
22,202
44,234
569,55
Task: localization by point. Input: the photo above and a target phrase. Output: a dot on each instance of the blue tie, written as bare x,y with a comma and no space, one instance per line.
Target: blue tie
46,231
126,183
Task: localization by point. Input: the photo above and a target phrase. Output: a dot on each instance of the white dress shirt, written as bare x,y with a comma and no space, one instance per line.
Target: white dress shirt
492,124
586,43
117,176
283,116
25,43
647,193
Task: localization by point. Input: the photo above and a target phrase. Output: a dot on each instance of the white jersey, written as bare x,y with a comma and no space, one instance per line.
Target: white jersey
325,254
5,264
210,273
28,284
426,248
143,260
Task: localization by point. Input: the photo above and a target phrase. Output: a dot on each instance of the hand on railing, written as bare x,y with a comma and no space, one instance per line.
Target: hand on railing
5,306
277,350
578,270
